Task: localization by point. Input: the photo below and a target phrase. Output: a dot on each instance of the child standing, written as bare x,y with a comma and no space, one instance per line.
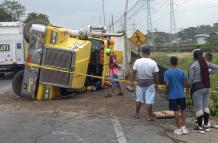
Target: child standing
176,80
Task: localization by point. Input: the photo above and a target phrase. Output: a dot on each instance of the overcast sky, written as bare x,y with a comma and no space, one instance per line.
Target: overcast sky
80,13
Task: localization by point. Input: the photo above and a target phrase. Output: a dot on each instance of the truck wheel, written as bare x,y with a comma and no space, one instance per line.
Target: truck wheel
28,26
17,82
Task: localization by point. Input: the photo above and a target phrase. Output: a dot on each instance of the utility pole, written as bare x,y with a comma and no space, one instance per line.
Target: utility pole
149,22
103,12
112,23
172,24
133,28
127,51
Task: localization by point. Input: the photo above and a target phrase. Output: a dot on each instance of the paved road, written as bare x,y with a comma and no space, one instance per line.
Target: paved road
71,127
61,127
86,119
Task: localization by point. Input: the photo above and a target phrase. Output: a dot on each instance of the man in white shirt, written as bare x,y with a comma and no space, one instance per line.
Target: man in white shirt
146,72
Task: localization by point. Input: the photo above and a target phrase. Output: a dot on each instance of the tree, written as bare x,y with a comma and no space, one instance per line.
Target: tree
14,9
4,17
34,15
213,40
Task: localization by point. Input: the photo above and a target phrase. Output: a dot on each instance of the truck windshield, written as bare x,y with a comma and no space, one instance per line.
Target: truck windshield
4,47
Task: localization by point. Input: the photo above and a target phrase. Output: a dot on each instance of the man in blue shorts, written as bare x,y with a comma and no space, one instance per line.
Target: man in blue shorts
176,81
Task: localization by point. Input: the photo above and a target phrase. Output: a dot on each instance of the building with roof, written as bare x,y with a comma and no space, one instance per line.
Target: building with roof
202,38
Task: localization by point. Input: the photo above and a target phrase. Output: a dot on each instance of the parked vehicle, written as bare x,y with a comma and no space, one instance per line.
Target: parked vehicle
12,55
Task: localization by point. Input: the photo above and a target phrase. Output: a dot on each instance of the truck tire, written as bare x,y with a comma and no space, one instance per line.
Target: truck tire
17,82
27,27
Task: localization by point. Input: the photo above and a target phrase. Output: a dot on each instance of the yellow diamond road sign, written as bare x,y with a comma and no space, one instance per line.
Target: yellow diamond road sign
138,38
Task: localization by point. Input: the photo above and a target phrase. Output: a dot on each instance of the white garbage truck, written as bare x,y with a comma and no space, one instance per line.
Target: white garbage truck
12,56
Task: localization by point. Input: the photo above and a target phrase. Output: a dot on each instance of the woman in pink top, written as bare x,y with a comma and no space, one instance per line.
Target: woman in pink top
114,71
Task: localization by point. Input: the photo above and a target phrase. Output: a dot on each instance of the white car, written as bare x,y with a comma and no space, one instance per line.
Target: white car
12,56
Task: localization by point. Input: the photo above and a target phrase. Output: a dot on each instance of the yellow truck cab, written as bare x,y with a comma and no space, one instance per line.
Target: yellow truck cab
62,59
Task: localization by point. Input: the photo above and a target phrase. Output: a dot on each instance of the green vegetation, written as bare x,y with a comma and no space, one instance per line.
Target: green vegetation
11,10
185,59
33,15
214,104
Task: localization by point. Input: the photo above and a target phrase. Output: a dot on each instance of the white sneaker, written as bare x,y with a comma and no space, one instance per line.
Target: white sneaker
178,131
206,128
199,129
209,124
184,130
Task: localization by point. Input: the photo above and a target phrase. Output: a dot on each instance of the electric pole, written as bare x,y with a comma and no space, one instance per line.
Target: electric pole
133,28
149,22
172,24
103,12
112,18
127,51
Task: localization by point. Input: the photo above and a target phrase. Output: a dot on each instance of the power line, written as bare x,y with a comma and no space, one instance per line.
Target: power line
134,5
141,7
137,6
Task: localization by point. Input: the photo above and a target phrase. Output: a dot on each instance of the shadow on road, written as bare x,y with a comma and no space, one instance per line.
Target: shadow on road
7,76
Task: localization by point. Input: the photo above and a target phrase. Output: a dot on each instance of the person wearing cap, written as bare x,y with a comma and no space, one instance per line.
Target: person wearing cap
146,71
199,79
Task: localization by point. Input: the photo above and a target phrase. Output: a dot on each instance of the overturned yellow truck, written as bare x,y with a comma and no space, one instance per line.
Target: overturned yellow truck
58,60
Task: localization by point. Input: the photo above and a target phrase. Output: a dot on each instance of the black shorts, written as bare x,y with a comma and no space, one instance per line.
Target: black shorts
177,104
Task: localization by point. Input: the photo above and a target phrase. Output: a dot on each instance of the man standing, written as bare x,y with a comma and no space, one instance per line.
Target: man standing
146,71
176,80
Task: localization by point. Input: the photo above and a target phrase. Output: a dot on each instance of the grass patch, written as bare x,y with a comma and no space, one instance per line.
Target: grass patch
185,59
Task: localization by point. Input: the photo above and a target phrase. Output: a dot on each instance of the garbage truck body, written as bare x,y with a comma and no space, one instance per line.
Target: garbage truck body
11,47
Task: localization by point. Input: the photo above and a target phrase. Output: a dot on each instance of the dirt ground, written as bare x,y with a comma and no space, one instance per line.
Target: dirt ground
90,102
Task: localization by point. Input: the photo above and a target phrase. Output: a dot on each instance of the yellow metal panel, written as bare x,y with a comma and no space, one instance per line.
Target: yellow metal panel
81,65
40,93
119,55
